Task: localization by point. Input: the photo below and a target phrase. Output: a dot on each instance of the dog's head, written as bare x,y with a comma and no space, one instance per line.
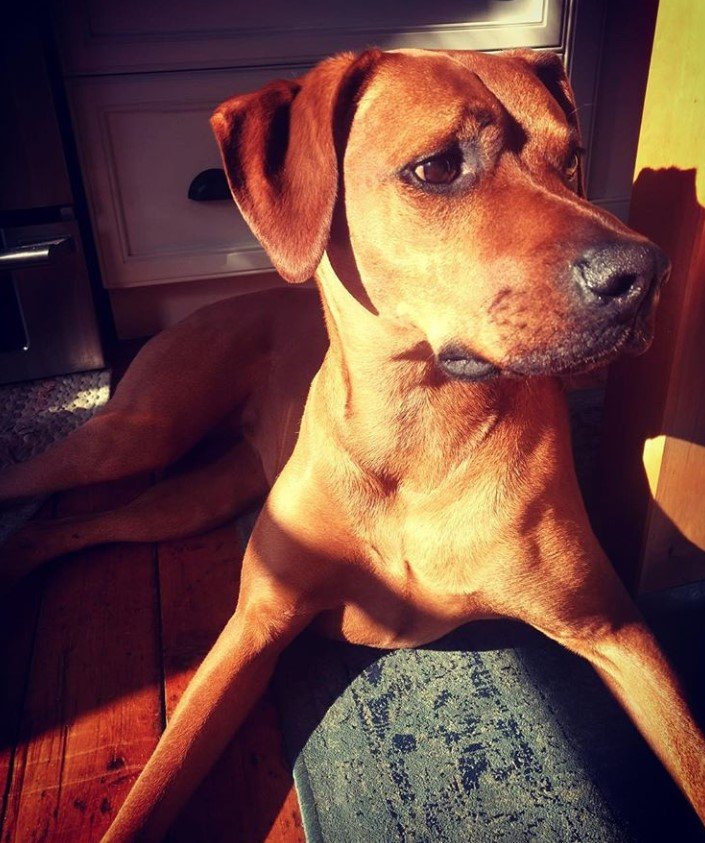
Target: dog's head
449,185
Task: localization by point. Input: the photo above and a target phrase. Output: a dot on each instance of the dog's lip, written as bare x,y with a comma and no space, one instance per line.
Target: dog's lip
460,364
631,339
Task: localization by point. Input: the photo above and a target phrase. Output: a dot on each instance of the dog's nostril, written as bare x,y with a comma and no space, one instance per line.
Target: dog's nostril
616,271
615,285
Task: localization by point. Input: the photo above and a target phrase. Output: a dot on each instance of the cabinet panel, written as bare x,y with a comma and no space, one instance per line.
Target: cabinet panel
141,35
143,138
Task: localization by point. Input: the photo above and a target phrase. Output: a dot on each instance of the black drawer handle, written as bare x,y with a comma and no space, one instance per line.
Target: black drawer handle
209,186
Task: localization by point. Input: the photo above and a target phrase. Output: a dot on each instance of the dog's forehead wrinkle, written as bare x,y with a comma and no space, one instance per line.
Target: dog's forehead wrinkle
513,109
525,98
456,100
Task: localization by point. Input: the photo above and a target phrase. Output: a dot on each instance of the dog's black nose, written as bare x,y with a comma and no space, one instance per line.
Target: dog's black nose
619,273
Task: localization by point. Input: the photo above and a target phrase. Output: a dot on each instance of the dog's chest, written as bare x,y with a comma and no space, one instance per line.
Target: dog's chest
421,576
393,612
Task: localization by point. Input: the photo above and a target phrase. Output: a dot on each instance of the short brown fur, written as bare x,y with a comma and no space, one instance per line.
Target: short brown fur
404,498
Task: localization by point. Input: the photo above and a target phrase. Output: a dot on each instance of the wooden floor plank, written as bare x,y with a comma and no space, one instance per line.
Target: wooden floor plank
92,712
89,703
249,795
19,611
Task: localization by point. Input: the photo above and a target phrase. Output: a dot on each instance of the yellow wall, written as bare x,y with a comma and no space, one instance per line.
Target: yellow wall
673,125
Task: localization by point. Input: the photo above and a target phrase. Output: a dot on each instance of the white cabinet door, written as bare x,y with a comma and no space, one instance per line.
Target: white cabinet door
142,139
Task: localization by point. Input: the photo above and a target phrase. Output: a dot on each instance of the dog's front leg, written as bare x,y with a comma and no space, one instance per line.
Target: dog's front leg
599,622
633,667
232,677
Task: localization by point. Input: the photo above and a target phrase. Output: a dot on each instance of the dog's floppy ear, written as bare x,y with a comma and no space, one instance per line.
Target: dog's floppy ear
551,72
278,147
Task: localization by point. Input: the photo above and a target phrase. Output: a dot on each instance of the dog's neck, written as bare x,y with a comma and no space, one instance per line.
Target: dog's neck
389,407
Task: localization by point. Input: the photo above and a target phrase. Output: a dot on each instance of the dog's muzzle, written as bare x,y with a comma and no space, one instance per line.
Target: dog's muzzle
615,287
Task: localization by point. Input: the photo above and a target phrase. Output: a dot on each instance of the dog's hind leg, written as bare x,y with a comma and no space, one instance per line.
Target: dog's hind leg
181,384
181,505
117,442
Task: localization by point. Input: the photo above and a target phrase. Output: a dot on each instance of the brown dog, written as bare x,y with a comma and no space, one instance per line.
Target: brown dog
428,479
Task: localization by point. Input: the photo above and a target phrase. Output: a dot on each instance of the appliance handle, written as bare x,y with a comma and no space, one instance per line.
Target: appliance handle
36,254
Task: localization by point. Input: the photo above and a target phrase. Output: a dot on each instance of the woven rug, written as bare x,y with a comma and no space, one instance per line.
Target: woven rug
33,415
492,734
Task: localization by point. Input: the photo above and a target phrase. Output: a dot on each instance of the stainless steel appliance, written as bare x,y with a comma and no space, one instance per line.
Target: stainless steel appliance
48,322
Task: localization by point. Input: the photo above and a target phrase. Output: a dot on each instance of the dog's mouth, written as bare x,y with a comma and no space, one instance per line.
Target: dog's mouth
589,348
632,338
583,350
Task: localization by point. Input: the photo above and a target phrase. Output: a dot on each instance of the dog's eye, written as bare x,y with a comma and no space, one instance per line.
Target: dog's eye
440,169
572,164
